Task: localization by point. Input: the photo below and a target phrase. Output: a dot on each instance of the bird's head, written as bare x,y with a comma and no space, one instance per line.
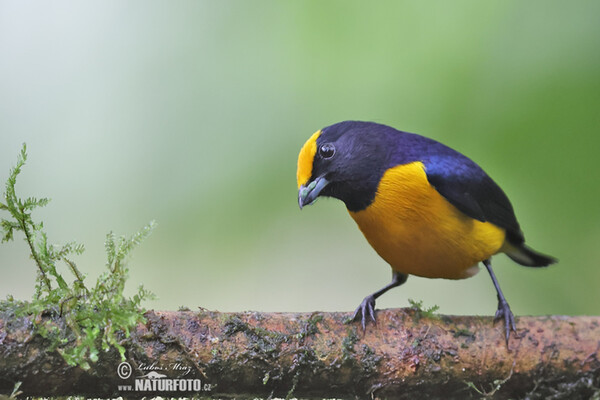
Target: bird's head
345,161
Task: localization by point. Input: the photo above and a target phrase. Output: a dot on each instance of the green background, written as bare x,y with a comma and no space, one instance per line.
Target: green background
192,113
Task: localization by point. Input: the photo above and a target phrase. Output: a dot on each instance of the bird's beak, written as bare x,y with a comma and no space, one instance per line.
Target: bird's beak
308,194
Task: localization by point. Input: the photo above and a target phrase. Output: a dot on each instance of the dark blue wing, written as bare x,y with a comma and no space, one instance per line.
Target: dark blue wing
456,177
466,186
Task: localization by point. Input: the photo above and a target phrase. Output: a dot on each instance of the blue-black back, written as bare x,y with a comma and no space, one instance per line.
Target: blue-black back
456,177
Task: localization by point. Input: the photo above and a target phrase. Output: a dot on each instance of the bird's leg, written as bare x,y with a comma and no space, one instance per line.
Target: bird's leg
366,309
503,308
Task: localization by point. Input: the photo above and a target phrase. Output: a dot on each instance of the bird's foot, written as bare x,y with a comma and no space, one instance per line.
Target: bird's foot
365,311
504,312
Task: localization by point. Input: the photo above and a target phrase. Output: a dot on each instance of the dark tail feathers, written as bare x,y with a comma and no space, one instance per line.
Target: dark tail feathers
526,256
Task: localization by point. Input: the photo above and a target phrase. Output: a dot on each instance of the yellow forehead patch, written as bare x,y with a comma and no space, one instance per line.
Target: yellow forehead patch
306,158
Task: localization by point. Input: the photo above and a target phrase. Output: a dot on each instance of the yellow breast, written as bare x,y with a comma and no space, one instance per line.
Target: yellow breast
418,232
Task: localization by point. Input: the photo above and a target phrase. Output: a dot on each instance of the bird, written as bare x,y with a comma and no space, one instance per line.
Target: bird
426,209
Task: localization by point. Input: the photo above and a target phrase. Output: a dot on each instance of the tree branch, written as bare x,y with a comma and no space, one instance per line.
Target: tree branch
318,355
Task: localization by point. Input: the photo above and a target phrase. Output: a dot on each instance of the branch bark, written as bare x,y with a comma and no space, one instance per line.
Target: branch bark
318,355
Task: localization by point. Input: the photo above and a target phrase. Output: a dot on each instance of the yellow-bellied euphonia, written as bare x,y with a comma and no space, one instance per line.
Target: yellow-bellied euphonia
425,208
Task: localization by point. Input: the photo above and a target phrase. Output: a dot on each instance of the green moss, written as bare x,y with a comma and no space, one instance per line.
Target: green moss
265,345
233,325
463,332
348,343
421,312
78,320
309,328
262,342
266,378
369,359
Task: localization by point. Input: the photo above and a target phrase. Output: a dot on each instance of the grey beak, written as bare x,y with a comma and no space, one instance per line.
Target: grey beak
308,194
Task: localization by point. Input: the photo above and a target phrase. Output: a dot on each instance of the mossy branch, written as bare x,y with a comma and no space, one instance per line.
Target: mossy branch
320,355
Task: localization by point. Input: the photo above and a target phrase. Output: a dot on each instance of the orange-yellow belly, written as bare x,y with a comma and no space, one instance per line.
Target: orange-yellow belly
418,232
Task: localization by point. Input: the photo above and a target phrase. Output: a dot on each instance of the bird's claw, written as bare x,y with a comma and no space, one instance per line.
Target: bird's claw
505,313
365,311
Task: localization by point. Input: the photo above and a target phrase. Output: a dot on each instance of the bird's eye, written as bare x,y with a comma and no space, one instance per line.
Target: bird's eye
327,150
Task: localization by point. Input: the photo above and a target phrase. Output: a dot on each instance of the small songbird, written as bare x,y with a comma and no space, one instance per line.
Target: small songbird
425,208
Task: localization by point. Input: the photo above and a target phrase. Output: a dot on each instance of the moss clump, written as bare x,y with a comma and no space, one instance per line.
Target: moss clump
369,359
463,332
421,312
265,346
262,342
78,320
348,344
309,328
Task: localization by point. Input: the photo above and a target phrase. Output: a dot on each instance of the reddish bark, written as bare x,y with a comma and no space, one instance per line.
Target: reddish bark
318,355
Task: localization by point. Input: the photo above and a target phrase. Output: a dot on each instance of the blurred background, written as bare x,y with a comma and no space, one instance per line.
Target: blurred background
192,113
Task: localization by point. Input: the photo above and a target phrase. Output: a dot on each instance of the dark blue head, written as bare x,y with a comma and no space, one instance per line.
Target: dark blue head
346,161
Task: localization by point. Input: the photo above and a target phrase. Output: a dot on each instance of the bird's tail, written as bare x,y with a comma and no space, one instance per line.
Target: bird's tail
527,256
